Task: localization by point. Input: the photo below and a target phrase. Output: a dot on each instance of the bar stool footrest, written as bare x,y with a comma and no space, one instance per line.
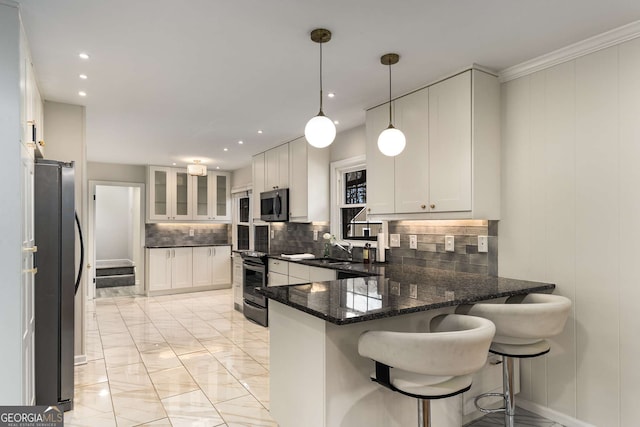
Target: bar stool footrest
487,410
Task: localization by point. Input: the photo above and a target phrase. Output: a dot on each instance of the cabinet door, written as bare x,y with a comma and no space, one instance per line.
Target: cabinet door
277,167
277,279
380,168
202,266
450,144
159,193
298,169
201,197
412,165
258,165
182,267
298,273
220,196
159,269
318,274
182,200
221,265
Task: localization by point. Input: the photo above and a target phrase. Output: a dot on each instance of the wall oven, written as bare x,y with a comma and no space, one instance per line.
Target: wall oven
254,275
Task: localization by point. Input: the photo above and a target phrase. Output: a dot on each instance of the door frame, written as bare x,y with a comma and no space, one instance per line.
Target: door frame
91,237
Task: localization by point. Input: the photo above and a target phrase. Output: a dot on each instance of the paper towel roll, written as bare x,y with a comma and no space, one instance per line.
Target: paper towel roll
382,246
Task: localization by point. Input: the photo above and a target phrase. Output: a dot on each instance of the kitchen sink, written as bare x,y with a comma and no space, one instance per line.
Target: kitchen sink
332,261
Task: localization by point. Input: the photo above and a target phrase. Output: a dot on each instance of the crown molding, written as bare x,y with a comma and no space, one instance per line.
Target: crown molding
573,51
9,3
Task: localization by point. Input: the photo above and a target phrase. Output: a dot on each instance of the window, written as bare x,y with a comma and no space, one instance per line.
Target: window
349,216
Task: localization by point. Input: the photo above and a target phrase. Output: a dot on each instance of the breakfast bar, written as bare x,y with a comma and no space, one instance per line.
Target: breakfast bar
317,376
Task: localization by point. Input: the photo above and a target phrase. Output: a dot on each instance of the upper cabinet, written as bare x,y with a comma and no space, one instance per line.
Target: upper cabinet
450,167
211,197
301,168
174,195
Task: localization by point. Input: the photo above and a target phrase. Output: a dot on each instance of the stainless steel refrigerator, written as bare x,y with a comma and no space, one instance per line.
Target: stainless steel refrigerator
55,282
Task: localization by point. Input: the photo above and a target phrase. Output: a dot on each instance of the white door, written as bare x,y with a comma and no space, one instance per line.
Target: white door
159,269
27,280
450,144
220,195
182,196
201,197
182,267
221,265
298,187
202,271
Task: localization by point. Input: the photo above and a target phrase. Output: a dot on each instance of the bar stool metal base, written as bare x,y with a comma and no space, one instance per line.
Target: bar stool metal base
424,413
509,408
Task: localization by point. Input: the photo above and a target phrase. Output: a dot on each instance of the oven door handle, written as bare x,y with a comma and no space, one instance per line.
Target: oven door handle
256,268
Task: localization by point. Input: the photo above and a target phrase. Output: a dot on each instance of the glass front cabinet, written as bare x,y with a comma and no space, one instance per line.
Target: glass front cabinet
174,195
211,197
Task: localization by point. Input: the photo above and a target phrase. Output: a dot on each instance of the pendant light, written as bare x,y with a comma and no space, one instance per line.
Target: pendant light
197,169
320,131
391,141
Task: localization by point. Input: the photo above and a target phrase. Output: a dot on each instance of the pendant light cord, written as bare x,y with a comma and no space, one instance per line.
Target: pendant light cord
320,77
390,95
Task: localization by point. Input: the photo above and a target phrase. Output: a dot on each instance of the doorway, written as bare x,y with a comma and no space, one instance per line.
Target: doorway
116,239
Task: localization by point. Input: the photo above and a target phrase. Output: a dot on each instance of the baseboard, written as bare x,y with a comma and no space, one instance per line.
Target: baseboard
80,359
551,414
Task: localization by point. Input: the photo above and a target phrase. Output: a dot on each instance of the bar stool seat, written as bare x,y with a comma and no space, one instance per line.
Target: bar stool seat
522,325
431,365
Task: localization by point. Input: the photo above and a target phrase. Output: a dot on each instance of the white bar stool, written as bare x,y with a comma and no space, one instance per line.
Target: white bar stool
522,324
431,365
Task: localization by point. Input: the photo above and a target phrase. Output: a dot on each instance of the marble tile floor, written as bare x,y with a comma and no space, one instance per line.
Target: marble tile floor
178,360
183,360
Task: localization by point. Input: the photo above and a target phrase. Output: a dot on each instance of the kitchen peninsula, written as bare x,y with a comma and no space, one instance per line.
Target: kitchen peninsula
317,374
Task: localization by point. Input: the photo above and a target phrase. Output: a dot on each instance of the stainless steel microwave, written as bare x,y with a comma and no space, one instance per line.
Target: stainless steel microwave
274,205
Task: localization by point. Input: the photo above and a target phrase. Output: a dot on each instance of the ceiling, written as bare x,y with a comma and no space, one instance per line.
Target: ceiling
172,81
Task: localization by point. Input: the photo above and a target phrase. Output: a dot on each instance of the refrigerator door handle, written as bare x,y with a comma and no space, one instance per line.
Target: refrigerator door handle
81,254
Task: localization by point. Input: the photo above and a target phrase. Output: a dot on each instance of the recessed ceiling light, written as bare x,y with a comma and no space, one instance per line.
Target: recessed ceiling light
217,167
82,93
331,94
83,76
240,142
83,55
335,122
259,130
174,163
225,149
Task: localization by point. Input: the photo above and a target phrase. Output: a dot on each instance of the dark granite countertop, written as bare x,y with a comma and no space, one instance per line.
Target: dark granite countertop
187,245
367,298
371,269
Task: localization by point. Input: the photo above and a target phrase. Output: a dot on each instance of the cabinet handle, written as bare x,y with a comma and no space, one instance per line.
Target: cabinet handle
168,253
433,206
31,249
173,252
368,209
214,251
423,206
31,270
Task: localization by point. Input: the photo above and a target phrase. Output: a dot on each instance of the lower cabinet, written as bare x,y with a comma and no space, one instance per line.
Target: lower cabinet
183,269
237,282
293,273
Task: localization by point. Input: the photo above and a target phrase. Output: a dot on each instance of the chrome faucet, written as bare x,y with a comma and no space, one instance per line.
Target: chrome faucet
348,249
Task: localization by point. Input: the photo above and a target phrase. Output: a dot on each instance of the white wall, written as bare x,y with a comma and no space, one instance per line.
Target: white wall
571,209
97,171
349,143
10,210
65,125
114,222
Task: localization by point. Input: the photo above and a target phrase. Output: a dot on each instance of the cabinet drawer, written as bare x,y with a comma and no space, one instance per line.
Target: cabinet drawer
278,266
299,271
277,279
318,274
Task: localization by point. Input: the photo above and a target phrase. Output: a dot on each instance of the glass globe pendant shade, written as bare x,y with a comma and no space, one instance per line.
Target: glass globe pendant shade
391,141
320,131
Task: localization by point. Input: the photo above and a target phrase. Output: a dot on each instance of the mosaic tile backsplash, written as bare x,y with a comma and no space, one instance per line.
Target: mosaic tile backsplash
293,237
168,234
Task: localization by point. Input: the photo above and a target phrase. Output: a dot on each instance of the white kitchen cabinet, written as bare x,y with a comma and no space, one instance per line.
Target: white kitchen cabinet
276,167
181,268
159,269
258,167
237,281
380,168
277,279
211,197
308,182
319,274
450,144
450,168
212,266
169,194
411,182
294,273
